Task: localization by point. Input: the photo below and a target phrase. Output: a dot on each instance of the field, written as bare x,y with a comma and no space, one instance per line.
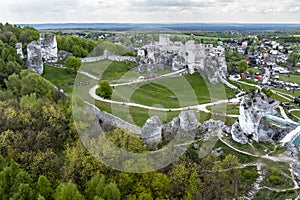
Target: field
114,71
173,92
59,77
107,69
296,113
231,109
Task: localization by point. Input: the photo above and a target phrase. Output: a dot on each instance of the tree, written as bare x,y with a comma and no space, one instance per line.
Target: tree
95,187
44,187
105,90
111,191
67,191
293,58
243,66
15,183
73,64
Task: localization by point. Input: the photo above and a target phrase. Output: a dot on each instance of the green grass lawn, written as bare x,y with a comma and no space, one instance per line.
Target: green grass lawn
296,113
243,87
59,77
292,78
242,157
107,69
231,109
189,90
116,72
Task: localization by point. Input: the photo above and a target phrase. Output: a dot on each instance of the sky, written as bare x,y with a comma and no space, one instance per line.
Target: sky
149,11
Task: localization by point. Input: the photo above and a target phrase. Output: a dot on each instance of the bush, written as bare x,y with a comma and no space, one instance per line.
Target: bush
276,180
73,64
105,90
250,175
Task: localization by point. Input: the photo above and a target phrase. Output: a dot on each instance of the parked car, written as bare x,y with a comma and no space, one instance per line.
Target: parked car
297,101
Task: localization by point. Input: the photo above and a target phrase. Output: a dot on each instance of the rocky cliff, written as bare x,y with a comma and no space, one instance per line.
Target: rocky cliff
34,57
249,125
49,47
42,51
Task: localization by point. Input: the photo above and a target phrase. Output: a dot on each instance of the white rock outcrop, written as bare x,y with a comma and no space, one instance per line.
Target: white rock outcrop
49,47
151,133
42,51
34,57
19,50
252,108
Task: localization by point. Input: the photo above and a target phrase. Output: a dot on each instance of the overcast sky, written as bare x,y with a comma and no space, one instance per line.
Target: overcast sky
83,11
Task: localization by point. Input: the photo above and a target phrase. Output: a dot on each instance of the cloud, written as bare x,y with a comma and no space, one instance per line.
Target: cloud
27,11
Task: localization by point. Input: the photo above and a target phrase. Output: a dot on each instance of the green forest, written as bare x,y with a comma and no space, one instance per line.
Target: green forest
42,157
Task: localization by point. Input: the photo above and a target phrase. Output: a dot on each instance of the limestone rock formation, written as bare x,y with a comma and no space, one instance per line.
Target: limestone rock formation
248,126
19,50
42,51
185,126
211,128
34,57
151,133
170,129
49,47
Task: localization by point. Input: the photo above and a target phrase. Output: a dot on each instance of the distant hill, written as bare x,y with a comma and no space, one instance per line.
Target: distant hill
174,27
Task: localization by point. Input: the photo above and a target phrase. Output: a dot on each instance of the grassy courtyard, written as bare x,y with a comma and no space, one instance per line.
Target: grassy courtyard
60,77
173,92
296,113
107,69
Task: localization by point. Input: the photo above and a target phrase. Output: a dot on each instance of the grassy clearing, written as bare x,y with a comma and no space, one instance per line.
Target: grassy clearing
155,94
280,170
296,113
108,70
242,157
290,78
243,87
60,77
280,150
173,92
231,109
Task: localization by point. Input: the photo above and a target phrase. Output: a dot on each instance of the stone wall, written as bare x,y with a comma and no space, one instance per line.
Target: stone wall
109,56
109,122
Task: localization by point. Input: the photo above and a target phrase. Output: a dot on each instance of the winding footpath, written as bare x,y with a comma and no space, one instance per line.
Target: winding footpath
202,107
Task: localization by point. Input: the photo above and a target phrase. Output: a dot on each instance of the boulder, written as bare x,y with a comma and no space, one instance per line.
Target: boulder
34,57
151,133
189,124
170,129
